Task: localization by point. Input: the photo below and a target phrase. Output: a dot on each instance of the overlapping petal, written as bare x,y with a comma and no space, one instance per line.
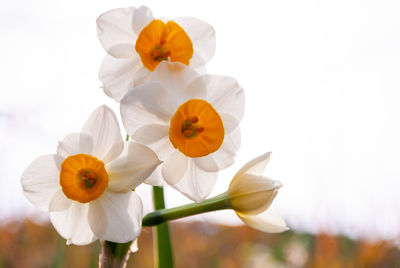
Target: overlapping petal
156,178
120,74
145,106
120,214
176,76
196,184
40,180
266,221
149,134
115,32
141,17
203,38
253,194
227,96
175,167
75,143
73,225
59,202
224,157
255,166
126,173
102,126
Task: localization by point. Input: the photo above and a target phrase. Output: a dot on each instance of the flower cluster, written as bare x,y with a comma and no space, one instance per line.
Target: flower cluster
185,127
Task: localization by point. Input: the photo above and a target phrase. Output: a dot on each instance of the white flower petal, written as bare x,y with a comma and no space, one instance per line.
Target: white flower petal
216,161
197,61
103,127
75,143
196,89
230,123
157,138
252,194
232,140
118,75
73,225
156,101
255,166
40,180
134,246
196,183
203,38
224,156
59,202
156,178
151,133
175,77
175,167
145,105
225,95
266,221
115,32
249,183
162,147
208,163
126,173
141,17
116,217
123,51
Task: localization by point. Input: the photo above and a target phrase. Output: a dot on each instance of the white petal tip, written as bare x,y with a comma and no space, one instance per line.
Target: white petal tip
282,229
266,155
277,184
134,247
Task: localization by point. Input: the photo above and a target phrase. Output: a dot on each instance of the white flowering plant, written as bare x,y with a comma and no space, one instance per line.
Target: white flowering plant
183,127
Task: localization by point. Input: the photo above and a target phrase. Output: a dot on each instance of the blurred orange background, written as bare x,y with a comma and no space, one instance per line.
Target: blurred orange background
29,244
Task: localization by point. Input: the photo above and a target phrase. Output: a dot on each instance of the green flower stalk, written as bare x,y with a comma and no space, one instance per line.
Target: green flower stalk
249,194
165,258
218,202
114,255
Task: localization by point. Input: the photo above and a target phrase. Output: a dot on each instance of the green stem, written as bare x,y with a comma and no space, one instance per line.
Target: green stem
218,202
114,255
60,253
164,248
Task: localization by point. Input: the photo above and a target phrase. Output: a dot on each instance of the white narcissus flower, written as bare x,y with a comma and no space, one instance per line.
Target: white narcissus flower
136,43
251,195
190,121
87,186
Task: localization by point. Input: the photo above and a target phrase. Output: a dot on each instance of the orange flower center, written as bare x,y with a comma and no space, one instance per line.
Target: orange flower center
196,129
83,177
160,41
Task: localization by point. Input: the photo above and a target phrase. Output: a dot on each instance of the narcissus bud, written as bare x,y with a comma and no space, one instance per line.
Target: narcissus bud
251,194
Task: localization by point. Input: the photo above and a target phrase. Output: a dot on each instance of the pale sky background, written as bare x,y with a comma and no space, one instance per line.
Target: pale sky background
322,92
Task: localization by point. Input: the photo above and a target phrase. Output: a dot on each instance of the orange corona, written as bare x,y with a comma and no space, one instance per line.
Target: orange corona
160,41
196,129
83,177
